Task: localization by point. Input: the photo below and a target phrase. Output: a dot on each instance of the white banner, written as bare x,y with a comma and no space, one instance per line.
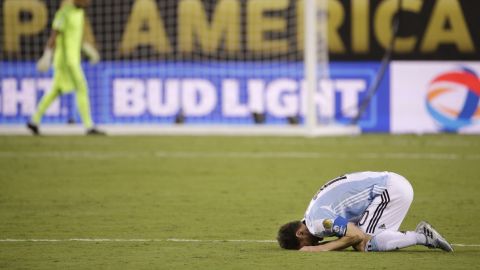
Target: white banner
430,97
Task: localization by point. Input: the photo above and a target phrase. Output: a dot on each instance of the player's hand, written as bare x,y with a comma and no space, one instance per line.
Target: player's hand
91,52
43,64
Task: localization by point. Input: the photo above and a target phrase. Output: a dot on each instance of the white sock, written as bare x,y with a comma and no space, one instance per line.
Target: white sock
393,240
421,238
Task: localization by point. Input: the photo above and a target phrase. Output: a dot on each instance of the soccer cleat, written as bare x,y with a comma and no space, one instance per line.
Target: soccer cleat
434,239
33,128
95,132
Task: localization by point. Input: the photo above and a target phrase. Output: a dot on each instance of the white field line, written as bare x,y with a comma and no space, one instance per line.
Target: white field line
313,155
165,240
138,240
252,155
393,143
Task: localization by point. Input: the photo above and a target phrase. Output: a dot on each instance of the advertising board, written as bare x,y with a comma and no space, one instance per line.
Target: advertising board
207,93
431,97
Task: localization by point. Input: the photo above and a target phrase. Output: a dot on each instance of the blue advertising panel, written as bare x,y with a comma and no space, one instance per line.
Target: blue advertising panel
224,93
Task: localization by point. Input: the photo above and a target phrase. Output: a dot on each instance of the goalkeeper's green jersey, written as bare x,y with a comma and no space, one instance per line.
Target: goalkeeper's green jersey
68,22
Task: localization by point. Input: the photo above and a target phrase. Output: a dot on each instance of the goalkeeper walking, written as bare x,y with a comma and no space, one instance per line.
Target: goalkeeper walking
66,43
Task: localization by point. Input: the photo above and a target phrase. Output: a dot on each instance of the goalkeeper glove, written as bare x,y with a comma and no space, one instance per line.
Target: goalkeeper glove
45,61
91,53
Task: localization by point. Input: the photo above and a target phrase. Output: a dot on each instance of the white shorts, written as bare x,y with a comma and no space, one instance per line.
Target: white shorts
386,212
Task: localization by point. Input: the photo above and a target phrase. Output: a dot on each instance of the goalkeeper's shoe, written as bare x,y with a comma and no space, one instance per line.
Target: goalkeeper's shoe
95,132
434,238
33,128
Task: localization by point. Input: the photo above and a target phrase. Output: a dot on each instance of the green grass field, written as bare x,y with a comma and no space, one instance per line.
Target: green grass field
219,188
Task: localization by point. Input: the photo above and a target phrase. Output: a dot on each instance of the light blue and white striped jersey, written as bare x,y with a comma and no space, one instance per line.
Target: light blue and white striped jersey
346,198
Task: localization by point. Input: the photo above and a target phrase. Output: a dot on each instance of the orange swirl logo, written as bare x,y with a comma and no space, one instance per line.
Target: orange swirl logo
453,99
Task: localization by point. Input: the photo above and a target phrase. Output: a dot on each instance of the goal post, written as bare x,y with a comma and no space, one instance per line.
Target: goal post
310,62
317,68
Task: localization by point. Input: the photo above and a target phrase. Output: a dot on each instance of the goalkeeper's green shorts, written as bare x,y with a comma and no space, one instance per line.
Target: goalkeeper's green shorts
69,78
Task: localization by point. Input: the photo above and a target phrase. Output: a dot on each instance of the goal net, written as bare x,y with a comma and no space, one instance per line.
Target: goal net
219,64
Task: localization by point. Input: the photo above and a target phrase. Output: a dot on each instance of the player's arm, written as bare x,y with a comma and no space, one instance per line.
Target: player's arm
58,26
51,42
45,61
352,237
91,52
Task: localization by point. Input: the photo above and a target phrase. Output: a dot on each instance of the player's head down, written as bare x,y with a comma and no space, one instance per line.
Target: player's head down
295,235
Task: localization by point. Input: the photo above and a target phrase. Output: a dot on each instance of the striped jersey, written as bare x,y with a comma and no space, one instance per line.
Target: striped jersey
341,200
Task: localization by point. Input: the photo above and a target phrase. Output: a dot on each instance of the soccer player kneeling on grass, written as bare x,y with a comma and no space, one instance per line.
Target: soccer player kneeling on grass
364,210
66,42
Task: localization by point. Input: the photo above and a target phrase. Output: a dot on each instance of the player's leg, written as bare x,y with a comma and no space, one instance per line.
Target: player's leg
393,240
42,107
71,109
387,211
393,207
424,235
82,99
45,102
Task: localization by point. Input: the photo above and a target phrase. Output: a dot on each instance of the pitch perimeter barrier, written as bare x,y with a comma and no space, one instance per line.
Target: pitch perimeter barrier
199,93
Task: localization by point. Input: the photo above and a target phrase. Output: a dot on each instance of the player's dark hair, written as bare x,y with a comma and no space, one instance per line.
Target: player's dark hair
286,237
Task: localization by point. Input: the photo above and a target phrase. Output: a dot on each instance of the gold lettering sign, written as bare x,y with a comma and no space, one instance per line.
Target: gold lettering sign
258,24
15,28
457,34
193,26
336,18
383,21
258,29
144,27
